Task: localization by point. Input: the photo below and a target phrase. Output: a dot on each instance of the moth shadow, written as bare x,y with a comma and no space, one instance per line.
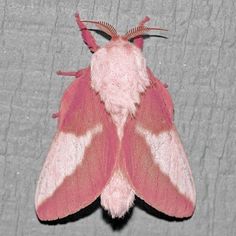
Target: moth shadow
153,212
101,33
76,216
117,224
144,36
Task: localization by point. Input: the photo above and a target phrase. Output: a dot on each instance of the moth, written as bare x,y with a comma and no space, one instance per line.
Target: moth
115,136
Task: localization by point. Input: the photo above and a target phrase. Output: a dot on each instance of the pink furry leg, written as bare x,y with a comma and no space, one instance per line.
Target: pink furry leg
139,40
69,73
87,36
55,115
65,73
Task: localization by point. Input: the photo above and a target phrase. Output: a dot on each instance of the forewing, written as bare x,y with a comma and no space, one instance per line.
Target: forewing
82,155
154,159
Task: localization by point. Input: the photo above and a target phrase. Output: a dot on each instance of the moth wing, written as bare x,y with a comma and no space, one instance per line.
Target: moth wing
82,155
153,157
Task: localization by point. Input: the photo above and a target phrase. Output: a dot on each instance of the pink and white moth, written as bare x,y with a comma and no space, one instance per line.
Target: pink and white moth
115,137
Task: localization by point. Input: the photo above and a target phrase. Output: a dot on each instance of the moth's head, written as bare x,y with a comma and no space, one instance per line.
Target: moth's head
133,33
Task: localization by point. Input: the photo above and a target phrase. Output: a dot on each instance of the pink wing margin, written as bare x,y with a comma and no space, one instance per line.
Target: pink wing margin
81,158
153,158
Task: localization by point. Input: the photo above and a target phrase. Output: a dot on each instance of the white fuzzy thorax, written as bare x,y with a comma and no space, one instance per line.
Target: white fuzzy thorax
119,74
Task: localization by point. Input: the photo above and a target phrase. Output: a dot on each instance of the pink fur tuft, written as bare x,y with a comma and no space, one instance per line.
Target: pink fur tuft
118,196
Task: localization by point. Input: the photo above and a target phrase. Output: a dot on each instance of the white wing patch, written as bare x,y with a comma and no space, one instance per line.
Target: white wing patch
169,154
66,152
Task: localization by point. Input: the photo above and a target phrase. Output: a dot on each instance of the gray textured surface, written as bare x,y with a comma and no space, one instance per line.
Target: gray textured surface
198,61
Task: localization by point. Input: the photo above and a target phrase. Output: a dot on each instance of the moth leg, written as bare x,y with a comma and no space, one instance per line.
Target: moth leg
86,35
139,40
68,73
55,115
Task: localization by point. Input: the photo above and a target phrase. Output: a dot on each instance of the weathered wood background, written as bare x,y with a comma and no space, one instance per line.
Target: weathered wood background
197,61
